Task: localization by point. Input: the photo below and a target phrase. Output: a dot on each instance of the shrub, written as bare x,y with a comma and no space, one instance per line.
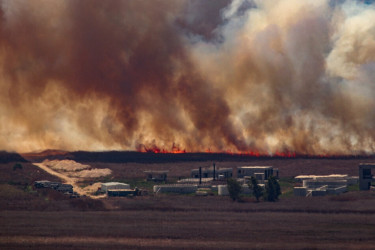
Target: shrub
272,189
257,190
17,166
234,189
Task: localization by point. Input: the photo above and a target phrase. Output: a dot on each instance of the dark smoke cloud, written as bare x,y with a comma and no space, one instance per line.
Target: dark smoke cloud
203,18
129,53
265,76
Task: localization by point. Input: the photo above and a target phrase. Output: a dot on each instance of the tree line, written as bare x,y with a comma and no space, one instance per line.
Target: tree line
271,192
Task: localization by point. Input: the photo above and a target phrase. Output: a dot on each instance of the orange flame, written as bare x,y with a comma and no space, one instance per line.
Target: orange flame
177,150
157,150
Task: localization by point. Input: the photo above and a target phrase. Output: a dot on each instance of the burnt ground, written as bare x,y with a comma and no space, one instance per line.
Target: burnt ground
42,219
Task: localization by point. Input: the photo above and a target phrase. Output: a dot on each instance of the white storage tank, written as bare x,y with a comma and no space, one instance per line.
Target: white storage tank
222,190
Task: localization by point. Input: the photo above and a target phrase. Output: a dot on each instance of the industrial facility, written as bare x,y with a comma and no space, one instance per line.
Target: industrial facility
213,178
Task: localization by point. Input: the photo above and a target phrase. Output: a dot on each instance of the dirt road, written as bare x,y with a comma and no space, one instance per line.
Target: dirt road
72,181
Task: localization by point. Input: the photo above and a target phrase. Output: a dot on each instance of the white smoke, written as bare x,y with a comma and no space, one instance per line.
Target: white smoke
298,74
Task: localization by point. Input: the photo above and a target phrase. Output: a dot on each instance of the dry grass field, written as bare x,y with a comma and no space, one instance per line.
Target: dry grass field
287,167
142,229
32,219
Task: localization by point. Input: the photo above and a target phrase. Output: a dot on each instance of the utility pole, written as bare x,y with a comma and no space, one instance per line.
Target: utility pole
214,171
200,175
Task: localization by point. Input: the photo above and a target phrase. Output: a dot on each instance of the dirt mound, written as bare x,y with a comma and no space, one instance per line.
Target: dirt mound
75,169
91,173
65,165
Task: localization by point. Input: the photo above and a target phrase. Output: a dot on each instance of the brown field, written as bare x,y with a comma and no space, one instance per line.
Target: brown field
45,219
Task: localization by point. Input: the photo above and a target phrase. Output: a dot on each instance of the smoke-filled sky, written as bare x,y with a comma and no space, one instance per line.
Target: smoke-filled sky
265,76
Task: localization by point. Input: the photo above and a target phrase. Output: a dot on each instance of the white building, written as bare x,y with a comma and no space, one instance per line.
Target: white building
113,186
259,172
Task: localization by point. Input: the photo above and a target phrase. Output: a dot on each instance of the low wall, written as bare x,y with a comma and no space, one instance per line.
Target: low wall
318,192
323,190
337,190
175,188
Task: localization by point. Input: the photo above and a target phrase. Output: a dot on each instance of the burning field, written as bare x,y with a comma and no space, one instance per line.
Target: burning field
99,91
262,77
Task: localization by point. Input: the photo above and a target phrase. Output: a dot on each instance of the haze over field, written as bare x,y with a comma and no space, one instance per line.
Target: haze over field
263,76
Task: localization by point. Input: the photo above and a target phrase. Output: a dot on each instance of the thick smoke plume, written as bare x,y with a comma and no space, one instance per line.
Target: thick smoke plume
262,76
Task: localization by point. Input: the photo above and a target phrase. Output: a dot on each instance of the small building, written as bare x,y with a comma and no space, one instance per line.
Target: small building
121,192
156,175
259,172
220,173
64,188
365,175
114,186
47,184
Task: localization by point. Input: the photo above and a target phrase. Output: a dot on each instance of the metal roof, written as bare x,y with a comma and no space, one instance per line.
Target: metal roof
114,183
256,167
